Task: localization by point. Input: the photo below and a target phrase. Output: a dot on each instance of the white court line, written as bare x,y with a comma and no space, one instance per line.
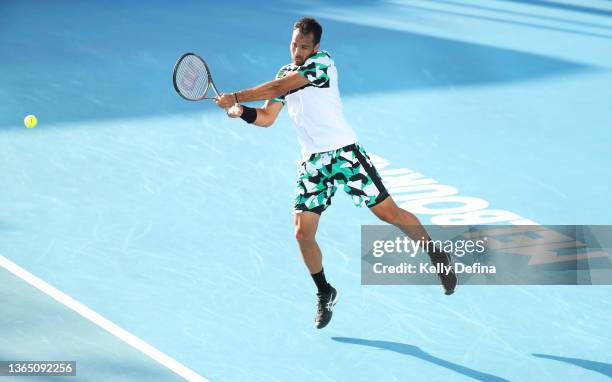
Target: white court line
102,322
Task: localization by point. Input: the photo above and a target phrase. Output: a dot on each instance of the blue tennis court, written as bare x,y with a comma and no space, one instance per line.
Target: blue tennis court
149,238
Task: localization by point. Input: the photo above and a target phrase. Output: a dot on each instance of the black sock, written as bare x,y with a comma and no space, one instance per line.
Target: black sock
322,284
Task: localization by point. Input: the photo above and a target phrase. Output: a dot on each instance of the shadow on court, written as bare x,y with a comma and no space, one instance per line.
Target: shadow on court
599,367
416,352
505,21
564,7
77,61
35,327
530,15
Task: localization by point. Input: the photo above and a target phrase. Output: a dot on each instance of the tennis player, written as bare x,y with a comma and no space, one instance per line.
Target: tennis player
332,155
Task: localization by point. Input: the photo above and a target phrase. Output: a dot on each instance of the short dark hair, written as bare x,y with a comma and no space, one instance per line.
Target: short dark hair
308,25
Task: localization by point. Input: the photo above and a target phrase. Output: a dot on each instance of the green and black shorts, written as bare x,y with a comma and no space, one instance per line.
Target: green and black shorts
349,167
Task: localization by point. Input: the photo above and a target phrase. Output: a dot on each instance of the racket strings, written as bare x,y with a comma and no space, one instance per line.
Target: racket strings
192,77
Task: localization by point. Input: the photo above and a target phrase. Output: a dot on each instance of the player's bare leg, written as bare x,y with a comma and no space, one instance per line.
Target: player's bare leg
389,212
306,224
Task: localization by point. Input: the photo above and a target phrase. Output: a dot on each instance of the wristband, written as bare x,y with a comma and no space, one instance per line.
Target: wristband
249,114
236,97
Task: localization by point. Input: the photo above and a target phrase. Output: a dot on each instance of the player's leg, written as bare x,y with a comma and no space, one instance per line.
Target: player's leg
306,224
305,231
391,213
314,193
365,186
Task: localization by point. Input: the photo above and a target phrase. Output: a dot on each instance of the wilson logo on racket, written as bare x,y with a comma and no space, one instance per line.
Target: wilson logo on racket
191,78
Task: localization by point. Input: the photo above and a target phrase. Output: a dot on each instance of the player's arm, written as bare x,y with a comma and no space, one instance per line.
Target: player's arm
272,89
262,116
265,91
267,114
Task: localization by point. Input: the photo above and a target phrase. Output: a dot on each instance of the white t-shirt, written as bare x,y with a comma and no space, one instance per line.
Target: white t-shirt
316,108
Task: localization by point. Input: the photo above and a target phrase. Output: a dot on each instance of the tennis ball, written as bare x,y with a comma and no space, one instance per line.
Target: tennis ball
30,121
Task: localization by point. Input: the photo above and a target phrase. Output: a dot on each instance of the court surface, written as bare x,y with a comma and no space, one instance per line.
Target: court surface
170,225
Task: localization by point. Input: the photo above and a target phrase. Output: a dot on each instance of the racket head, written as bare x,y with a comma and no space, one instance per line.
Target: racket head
191,78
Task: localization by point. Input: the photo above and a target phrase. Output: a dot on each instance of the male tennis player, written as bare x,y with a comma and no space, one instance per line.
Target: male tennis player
332,156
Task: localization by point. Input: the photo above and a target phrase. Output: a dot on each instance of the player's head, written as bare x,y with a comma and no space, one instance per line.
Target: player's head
305,39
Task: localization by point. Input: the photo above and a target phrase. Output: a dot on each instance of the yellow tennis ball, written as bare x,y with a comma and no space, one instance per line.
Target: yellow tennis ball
30,121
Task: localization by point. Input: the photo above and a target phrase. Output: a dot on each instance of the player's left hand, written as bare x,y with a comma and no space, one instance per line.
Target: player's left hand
225,100
235,111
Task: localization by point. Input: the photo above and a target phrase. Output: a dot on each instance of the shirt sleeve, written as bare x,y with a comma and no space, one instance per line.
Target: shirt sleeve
315,69
281,73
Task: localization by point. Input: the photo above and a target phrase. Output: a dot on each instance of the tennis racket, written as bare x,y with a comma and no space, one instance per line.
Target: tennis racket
192,79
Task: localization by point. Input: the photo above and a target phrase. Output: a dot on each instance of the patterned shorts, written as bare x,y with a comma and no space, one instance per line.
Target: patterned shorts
350,167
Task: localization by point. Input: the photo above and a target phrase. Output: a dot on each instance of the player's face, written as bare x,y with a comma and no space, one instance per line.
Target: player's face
301,47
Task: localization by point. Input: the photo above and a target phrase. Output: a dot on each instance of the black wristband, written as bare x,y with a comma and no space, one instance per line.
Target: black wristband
249,114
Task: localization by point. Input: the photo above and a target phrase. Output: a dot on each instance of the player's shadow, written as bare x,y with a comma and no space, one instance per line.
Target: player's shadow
416,352
599,367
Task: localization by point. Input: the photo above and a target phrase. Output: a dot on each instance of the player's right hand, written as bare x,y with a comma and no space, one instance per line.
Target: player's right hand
234,111
225,100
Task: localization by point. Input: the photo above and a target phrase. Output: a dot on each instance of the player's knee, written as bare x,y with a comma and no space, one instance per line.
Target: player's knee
304,234
390,215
